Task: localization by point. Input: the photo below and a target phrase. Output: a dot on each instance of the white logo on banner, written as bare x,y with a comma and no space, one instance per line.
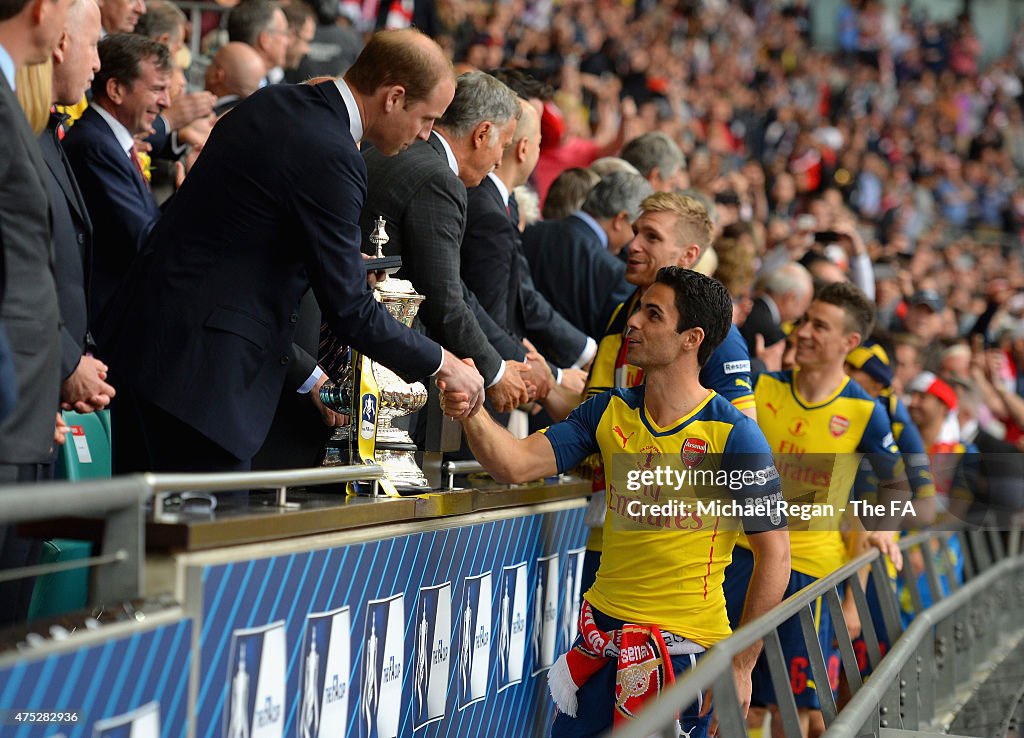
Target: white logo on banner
383,649
544,636
142,722
323,706
257,657
432,654
475,639
512,625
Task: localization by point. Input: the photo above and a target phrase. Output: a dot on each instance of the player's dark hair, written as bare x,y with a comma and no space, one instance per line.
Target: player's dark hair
860,313
702,302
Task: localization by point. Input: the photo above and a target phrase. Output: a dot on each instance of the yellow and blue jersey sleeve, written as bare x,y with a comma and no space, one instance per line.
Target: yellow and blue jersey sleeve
575,438
915,456
747,458
727,371
879,446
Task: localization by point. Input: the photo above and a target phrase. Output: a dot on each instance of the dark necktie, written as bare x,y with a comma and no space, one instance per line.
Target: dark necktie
513,210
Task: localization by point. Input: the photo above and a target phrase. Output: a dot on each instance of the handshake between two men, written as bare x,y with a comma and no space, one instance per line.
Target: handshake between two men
530,380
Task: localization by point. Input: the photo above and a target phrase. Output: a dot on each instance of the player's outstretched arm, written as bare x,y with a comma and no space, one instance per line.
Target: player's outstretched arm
506,458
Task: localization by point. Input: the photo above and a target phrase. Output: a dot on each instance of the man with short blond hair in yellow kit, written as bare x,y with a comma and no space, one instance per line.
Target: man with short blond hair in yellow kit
672,230
817,422
657,602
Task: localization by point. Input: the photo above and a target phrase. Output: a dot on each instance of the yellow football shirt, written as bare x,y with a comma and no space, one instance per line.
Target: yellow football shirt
668,540
817,449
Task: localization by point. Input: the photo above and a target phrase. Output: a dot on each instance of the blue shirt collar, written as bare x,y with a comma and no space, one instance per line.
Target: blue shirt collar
7,66
594,225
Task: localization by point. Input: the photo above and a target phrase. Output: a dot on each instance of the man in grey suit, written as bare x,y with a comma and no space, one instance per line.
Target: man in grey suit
29,29
421,195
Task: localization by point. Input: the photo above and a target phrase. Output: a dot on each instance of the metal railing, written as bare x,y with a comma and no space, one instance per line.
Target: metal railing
120,502
451,468
937,656
164,485
907,688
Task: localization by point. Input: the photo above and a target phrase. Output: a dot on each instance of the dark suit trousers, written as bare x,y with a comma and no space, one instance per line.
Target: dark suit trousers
146,438
16,551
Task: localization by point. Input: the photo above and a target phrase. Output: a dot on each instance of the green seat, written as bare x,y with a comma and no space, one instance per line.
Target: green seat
85,455
86,452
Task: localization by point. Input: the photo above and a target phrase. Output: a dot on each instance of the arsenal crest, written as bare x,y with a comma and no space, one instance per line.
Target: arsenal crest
693,452
838,425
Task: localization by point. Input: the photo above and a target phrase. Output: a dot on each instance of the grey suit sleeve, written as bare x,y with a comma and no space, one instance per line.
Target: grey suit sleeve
432,234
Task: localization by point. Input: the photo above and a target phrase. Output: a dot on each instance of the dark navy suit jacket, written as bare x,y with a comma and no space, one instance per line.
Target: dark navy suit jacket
120,205
575,272
72,245
208,315
494,268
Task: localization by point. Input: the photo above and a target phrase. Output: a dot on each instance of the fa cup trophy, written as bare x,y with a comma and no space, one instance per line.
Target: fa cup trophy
374,397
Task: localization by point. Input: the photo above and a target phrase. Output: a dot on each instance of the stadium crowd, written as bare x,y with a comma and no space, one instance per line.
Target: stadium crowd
181,238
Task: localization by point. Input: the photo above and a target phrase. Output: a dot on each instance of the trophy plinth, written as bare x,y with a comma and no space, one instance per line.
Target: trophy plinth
375,397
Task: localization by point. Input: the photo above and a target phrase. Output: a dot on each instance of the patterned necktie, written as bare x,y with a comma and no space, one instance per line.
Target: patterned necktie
333,355
133,154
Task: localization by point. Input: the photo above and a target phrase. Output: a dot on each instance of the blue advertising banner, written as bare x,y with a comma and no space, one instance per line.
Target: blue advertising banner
134,686
427,634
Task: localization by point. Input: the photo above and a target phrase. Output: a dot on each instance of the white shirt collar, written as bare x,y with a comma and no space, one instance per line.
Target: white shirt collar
452,161
502,189
275,75
124,138
355,122
7,66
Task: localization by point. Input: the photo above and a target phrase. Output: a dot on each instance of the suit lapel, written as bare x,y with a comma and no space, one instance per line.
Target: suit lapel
492,189
96,125
60,168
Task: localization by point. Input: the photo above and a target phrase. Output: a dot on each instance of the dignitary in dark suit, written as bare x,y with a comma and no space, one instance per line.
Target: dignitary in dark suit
29,30
270,208
75,61
574,261
129,92
493,266
421,195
